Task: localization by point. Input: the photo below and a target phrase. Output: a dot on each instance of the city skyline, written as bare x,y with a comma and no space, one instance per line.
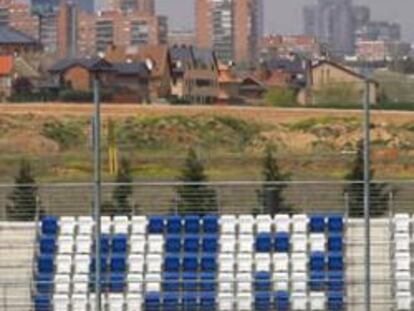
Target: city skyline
381,10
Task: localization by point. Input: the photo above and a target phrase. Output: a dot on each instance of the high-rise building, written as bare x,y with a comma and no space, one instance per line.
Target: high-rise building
232,28
332,21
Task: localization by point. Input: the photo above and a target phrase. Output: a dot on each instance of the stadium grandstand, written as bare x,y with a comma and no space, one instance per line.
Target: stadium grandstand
307,259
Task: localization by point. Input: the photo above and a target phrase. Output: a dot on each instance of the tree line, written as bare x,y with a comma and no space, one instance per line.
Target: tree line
194,195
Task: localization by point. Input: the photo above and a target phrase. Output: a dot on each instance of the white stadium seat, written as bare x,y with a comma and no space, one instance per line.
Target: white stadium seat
228,224
299,280
228,244
299,243
281,281
121,224
80,283
136,263
402,261
155,243
403,281
154,263
246,243
246,224
244,263
60,302
299,301
115,302
226,282
262,262
106,224
317,301
63,264
300,223
138,225
264,223
152,282
137,244
92,301
65,244
281,262
282,223
244,282
83,244
226,301
62,283
135,282
299,262
402,222
82,263
404,301
67,225
244,302
402,242
133,302
85,225
317,242
226,262
79,302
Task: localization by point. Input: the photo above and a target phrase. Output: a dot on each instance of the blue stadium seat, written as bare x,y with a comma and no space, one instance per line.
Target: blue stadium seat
335,281
262,281
45,264
281,301
262,301
210,224
207,301
190,300
190,263
173,244
171,282
282,242
117,282
335,301
172,263
49,225
207,281
44,283
335,243
105,244
317,280
317,261
104,264
210,243
174,225
118,263
335,223
152,301
189,281
191,243
119,243
155,224
208,263
192,224
170,301
263,242
47,244
335,261
317,224
42,303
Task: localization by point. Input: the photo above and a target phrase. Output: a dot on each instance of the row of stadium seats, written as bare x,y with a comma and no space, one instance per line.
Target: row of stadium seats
228,262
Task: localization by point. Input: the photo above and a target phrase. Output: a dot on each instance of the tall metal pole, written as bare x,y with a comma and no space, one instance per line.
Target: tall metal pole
367,181
97,188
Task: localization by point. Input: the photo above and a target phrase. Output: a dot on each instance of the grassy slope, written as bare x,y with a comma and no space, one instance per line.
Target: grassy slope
310,141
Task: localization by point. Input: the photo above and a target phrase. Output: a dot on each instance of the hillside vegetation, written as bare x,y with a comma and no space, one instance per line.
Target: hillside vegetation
310,144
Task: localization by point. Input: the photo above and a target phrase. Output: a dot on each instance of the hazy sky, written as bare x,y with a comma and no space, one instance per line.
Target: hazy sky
285,16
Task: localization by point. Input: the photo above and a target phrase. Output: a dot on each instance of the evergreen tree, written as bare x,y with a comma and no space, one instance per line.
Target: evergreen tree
195,197
271,195
122,192
23,198
355,190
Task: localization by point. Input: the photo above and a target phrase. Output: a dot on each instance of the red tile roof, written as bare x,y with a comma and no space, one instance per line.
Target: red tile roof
6,65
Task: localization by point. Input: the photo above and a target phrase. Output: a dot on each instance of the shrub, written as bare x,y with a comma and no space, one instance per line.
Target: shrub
281,97
84,96
66,134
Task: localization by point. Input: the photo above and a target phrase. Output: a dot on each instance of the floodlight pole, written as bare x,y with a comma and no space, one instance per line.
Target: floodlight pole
367,199
97,188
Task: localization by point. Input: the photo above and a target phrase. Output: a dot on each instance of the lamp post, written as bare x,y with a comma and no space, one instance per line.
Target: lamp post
100,67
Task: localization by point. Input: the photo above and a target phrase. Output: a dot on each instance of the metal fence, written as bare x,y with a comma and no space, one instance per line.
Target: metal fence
18,233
